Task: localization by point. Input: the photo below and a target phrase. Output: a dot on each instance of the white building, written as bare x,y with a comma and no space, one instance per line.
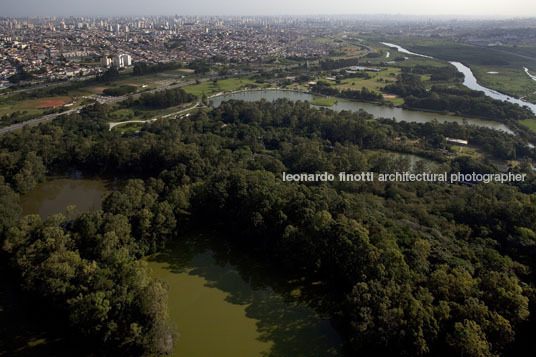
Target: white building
118,62
106,62
127,60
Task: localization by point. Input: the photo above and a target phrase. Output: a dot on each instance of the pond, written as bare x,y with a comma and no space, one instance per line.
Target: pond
226,304
55,194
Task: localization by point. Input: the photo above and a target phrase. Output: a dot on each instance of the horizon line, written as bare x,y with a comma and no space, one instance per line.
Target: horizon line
450,16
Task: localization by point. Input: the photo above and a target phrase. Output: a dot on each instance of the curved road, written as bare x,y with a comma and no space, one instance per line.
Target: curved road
113,125
104,100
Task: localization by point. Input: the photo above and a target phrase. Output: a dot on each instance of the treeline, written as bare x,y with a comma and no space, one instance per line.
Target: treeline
119,91
88,270
141,68
459,101
330,64
200,66
447,73
416,269
364,94
167,98
109,75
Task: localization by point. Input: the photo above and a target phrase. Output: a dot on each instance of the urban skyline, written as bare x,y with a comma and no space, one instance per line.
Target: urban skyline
22,8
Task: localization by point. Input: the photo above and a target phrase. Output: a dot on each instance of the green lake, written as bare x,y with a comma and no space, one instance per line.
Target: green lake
225,304
56,194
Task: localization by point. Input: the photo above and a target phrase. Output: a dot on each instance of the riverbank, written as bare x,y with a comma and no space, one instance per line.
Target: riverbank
379,111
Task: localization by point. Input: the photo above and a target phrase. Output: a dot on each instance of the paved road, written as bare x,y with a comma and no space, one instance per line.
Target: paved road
105,100
36,121
112,125
47,85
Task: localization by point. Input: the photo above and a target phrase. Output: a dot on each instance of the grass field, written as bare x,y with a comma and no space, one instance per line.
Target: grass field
470,151
43,103
323,39
378,80
530,124
225,85
129,127
396,101
324,102
149,81
512,81
142,113
34,106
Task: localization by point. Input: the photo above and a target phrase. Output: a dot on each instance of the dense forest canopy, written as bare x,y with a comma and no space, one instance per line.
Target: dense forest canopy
414,269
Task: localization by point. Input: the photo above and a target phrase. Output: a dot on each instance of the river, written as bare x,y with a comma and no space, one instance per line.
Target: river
529,74
470,80
403,50
378,111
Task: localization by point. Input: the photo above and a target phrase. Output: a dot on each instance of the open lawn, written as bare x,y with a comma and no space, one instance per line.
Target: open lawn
529,123
323,39
351,51
42,103
394,100
510,80
377,82
142,113
34,106
224,85
324,102
129,127
470,151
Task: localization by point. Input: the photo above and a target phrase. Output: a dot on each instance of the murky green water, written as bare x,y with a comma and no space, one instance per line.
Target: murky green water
54,195
225,305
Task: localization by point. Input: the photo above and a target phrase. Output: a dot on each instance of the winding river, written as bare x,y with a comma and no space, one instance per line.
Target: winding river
470,80
378,111
529,74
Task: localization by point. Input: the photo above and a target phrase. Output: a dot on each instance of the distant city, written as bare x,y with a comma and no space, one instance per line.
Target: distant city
78,47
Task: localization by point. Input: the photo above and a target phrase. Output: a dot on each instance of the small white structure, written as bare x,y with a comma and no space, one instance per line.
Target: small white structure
457,141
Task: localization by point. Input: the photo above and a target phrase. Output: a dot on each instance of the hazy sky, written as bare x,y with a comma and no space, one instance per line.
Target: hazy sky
508,8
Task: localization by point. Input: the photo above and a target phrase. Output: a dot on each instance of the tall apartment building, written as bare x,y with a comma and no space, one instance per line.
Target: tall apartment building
106,62
122,60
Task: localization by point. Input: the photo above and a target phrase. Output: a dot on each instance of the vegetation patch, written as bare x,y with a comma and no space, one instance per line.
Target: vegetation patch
324,101
216,86
529,123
